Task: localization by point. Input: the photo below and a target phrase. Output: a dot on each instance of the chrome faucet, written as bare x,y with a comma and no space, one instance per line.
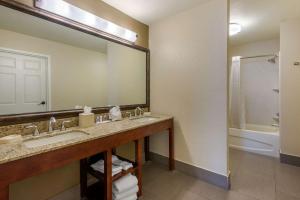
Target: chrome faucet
52,121
36,129
63,127
140,111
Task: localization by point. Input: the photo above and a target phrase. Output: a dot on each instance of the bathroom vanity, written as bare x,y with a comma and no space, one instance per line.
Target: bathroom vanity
62,64
25,161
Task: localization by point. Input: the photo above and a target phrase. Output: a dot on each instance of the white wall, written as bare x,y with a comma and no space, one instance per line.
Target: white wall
256,48
258,78
189,81
289,87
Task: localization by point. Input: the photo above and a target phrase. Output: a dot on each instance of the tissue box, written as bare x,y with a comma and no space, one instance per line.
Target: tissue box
86,120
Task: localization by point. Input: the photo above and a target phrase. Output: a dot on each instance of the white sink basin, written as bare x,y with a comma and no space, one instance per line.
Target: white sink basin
144,119
52,139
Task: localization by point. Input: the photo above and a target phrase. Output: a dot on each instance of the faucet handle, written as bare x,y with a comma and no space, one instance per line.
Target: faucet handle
140,111
36,129
99,119
129,114
63,127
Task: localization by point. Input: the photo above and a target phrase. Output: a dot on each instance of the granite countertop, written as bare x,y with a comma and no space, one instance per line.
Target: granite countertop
10,153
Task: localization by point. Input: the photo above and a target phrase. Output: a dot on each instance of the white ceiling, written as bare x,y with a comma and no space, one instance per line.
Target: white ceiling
149,11
261,18
26,24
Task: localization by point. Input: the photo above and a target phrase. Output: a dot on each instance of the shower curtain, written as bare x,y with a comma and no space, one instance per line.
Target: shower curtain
236,96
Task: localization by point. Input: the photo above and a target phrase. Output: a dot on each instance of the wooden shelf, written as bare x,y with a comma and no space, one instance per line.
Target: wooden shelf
100,176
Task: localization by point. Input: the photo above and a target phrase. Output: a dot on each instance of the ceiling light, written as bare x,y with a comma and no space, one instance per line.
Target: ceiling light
74,13
234,28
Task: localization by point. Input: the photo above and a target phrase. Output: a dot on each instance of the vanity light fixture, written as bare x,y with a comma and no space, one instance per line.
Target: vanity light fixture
234,28
74,13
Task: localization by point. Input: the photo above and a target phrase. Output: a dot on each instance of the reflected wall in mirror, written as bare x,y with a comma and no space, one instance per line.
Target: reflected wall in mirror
48,67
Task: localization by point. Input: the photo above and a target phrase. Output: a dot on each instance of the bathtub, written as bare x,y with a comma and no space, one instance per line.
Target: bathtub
258,139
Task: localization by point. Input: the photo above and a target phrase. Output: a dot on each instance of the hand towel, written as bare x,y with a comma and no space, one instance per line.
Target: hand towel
127,193
125,183
124,164
99,166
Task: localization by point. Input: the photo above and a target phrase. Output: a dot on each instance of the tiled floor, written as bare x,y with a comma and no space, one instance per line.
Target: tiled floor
253,178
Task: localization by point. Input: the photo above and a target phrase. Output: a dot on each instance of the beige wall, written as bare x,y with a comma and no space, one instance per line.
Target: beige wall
189,81
46,185
49,184
127,70
289,87
104,10
69,73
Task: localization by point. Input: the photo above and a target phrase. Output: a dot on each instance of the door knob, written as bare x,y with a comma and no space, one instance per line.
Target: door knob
42,103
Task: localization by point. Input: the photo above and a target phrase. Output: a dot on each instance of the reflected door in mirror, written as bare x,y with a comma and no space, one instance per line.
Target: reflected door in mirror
23,83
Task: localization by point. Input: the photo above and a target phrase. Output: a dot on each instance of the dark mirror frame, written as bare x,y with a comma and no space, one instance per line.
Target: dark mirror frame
42,116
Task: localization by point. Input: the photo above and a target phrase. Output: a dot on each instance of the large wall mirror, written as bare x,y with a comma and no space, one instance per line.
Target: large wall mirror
48,67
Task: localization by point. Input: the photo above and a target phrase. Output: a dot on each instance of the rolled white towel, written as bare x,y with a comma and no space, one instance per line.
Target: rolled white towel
127,193
125,183
131,197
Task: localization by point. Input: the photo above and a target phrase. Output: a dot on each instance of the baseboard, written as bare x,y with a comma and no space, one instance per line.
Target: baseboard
289,159
203,174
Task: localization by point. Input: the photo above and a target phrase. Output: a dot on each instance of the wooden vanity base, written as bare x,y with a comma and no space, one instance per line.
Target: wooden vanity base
171,149
27,167
139,162
108,174
4,193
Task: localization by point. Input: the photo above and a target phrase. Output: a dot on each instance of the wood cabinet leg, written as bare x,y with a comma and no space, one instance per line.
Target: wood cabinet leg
139,162
171,149
108,175
114,151
83,177
147,148
4,192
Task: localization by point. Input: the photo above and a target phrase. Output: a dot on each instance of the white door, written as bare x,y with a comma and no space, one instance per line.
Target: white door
23,83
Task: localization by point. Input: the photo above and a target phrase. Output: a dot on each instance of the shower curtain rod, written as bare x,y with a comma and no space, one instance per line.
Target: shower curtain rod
260,56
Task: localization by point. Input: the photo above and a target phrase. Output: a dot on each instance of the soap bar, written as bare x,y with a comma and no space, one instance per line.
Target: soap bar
11,139
86,120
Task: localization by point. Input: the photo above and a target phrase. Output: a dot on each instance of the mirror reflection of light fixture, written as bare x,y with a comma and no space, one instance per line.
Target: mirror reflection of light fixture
74,13
234,28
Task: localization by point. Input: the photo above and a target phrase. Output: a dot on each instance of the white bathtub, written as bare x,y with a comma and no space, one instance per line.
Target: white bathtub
256,139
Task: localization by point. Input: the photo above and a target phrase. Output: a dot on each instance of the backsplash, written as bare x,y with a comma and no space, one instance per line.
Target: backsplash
20,129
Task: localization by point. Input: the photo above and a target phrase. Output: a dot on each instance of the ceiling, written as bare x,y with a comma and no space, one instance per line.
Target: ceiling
261,19
149,11
26,24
